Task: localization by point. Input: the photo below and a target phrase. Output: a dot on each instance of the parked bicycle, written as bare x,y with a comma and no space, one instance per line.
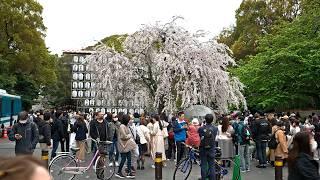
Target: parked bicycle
183,169
65,166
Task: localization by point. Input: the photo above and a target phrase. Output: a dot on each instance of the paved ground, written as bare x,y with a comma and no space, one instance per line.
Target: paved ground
7,149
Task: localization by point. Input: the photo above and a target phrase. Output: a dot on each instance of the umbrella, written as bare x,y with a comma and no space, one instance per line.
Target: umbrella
198,111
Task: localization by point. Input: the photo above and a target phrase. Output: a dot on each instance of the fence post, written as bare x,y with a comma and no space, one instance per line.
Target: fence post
158,166
278,165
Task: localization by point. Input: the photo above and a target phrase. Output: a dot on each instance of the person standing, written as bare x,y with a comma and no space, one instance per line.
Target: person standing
66,132
262,130
99,129
301,165
282,147
207,135
56,132
180,134
114,128
126,144
80,128
193,135
158,143
171,142
144,135
244,144
25,134
45,131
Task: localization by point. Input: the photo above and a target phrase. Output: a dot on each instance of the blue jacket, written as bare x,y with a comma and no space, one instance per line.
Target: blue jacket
180,133
81,130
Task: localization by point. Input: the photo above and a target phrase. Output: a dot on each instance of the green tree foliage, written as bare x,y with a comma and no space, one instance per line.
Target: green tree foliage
285,72
25,63
113,41
254,19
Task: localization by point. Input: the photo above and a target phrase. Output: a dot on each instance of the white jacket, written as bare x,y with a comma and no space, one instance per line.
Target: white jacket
144,134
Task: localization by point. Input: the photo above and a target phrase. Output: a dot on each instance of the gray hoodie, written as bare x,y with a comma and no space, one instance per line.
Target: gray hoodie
30,137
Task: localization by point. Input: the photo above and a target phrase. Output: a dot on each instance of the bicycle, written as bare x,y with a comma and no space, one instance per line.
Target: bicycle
66,167
185,166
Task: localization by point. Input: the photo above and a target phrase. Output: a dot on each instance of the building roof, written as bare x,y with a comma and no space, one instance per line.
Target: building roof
77,52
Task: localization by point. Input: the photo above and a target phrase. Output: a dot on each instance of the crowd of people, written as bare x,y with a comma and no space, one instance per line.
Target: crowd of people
257,136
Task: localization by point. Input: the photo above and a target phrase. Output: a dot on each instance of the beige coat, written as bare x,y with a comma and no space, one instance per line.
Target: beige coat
282,148
272,157
125,140
158,141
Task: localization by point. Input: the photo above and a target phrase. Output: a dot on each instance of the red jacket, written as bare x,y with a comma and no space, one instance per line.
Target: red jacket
193,136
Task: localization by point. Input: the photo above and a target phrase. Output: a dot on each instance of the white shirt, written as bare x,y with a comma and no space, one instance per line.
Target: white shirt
144,134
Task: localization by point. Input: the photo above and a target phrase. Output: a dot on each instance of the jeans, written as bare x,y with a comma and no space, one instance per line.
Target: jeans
55,145
207,164
180,151
114,147
124,157
261,152
245,157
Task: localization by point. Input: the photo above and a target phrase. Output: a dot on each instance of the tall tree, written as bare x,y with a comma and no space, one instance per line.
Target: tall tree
254,19
167,68
285,72
24,59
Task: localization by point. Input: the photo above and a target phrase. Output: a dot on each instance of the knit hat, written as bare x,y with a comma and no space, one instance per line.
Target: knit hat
195,121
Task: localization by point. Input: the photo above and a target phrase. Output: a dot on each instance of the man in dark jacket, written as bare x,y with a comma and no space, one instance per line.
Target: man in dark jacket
45,131
26,135
207,148
99,129
66,132
262,131
56,132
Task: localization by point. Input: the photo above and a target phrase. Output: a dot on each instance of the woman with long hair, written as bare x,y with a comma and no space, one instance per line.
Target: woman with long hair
125,145
224,138
300,162
157,133
80,128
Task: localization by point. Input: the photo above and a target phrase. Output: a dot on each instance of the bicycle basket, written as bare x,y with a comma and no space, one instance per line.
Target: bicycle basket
103,148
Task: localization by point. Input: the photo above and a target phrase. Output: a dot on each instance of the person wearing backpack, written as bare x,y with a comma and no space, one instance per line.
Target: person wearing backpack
207,135
244,143
25,134
45,131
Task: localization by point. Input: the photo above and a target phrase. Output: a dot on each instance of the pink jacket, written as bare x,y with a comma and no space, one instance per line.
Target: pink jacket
193,136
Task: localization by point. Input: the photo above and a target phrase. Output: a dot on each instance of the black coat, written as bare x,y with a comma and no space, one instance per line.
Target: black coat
44,132
81,130
305,168
57,130
29,140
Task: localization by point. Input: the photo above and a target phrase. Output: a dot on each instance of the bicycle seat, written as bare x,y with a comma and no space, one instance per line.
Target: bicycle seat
75,149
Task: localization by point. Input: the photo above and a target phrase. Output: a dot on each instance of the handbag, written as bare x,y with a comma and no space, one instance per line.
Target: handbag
164,131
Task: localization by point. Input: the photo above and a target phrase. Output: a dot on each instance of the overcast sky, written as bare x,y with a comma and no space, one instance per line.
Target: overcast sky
75,24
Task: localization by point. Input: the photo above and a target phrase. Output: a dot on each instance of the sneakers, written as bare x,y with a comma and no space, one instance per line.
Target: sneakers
120,175
248,170
153,166
117,164
110,164
130,176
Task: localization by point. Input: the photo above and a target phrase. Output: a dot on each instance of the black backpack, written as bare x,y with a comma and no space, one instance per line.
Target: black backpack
137,138
207,140
272,144
245,134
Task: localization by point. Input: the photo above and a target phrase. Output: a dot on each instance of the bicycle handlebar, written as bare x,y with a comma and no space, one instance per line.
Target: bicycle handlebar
98,141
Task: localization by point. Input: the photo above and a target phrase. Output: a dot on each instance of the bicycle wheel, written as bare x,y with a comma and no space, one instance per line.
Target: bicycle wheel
102,168
183,169
57,165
